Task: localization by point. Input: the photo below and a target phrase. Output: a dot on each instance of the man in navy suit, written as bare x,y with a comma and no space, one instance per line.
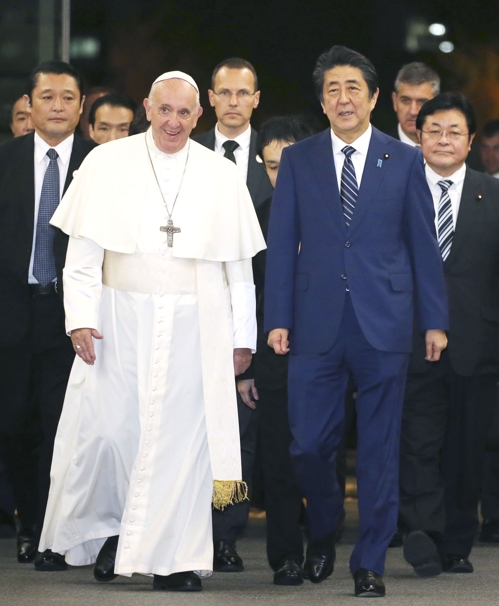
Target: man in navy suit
351,237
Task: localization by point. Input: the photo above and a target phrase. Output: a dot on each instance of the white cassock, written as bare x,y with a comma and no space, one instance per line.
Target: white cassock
148,435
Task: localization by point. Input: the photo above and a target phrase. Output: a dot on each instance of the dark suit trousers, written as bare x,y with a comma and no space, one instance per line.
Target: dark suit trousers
35,372
445,420
230,522
490,486
283,496
317,388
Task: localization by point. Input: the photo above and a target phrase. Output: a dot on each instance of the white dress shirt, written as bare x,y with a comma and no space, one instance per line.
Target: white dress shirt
455,190
405,139
361,146
42,161
241,153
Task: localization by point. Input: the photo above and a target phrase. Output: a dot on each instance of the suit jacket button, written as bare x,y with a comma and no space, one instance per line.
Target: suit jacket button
343,276
348,244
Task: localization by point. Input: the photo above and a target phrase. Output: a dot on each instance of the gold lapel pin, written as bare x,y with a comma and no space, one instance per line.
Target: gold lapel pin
386,156
479,197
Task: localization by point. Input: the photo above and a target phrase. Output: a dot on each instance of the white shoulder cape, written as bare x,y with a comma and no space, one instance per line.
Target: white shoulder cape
214,209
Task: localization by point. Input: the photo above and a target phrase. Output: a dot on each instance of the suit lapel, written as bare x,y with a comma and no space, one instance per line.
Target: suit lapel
254,169
322,165
77,156
469,210
25,174
371,177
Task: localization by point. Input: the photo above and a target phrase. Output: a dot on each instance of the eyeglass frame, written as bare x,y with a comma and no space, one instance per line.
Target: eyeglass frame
241,95
437,134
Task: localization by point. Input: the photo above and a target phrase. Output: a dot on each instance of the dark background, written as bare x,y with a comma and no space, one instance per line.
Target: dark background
128,43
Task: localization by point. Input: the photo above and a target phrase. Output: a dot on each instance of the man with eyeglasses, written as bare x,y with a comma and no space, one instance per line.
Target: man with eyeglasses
234,94
449,404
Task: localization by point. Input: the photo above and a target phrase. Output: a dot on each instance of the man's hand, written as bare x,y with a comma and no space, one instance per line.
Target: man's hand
436,342
242,359
278,340
248,392
83,344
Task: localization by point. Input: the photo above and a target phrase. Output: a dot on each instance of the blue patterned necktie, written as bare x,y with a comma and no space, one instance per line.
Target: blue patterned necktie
44,262
445,221
349,188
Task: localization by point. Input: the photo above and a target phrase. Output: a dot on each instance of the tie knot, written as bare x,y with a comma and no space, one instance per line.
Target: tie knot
230,145
445,184
52,154
348,150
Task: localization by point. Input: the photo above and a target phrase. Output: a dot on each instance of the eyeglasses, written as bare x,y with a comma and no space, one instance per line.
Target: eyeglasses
242,95
452,135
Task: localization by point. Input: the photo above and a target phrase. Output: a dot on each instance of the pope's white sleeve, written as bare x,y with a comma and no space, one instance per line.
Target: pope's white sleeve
82,281
242,298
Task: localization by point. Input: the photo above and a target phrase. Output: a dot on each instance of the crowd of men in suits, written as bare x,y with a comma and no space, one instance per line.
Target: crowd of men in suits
373,254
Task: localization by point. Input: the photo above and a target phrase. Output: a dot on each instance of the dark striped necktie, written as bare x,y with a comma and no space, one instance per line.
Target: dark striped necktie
445,221
44,262
349,188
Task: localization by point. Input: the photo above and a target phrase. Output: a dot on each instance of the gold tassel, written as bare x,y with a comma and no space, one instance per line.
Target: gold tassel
227,492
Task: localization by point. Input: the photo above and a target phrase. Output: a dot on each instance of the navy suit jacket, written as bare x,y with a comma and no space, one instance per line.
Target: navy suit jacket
389,250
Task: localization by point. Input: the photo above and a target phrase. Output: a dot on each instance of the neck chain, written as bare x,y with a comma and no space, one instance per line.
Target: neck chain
169,228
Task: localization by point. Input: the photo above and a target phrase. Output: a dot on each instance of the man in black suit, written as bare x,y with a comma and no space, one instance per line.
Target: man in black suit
234,94
35,353
266,382
448,404
415,84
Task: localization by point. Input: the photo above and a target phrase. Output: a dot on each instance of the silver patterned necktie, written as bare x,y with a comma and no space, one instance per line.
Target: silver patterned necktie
44,262
349,188
445,221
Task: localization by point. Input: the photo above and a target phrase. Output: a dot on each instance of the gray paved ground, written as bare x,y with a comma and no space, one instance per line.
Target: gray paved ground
21,585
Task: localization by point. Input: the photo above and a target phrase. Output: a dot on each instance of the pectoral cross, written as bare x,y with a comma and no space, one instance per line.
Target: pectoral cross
170,230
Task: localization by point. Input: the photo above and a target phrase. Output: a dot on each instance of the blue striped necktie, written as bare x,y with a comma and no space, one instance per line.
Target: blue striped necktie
349,188
44,262
445,221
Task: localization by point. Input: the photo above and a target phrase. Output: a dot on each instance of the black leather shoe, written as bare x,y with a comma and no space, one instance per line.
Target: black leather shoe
421,553
290,573
27,546
104,564
368,584
321,554
178,581
456,563
48,561
226,558
489,532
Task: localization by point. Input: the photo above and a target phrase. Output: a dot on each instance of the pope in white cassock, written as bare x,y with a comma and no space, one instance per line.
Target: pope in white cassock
160,305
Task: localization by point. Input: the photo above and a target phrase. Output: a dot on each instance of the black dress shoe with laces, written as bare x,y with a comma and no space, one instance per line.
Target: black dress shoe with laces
290,573
368,584
226,558
178,581
48,561
104,564
27,546
421,553
321,555
456,563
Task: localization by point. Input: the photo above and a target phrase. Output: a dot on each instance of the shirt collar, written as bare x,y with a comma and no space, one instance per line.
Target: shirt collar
243,139
404,138
457,178
361,144
64,149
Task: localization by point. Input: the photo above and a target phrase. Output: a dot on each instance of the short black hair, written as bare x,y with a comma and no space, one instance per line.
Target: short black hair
417,73
54,67
114,100
234,63
341,55
285,128
445,101
491,129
